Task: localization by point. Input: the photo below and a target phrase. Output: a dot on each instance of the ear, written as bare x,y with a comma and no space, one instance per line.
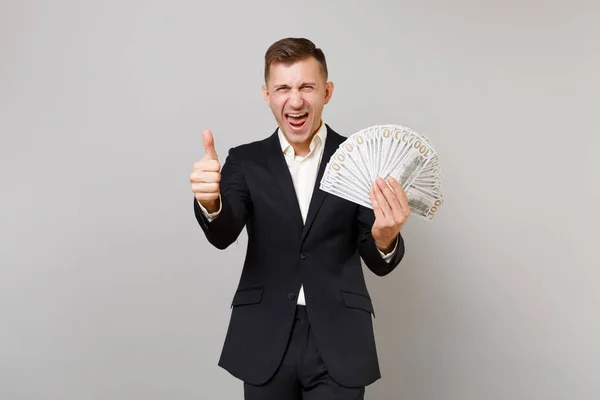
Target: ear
328,91
265,94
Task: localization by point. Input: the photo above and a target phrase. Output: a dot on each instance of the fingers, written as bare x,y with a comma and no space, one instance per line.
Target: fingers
400,195
206,197
200,176
381,200
206,176
203,187
208,165
393,203
376,207
209,146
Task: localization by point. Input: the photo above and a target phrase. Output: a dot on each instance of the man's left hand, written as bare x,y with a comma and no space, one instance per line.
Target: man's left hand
391,211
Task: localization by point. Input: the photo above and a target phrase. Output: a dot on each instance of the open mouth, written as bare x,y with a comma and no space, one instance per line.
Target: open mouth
296,120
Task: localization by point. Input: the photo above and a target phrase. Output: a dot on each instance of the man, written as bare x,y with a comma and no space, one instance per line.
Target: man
301,323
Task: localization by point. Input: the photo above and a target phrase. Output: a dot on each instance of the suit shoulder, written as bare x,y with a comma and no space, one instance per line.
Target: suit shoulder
257,145
335,136
250,149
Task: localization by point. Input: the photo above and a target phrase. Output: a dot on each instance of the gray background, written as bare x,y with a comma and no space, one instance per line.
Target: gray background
108,289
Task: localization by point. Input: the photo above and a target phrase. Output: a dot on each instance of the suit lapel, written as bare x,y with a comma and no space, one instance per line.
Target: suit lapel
331,144
281,173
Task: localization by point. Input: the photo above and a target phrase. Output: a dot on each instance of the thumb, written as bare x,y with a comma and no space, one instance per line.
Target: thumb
209,145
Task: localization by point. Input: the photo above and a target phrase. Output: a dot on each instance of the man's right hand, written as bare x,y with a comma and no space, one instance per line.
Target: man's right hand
206,176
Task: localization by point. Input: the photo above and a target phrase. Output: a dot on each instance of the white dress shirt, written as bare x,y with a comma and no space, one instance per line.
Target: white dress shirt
303,171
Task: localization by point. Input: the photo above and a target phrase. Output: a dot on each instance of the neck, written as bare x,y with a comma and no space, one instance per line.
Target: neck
302,149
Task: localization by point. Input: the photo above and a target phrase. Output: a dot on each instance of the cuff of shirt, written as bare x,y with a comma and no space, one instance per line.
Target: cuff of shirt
387,257
211,216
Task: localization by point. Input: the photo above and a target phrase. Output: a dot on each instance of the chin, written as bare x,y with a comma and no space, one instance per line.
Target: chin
297,137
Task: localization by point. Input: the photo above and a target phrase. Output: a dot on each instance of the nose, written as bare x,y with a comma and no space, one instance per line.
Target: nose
296,99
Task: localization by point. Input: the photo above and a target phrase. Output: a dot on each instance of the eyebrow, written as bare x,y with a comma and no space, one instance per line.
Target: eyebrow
303,84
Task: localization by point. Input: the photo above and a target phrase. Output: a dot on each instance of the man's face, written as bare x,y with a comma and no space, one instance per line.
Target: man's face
296,94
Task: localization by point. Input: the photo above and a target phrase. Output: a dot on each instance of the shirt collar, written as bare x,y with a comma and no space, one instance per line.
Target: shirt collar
318,138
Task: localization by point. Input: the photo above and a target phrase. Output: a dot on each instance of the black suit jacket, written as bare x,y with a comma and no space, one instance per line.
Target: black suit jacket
324,255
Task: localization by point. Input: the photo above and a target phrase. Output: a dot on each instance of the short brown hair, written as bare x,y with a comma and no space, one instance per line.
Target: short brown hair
290,50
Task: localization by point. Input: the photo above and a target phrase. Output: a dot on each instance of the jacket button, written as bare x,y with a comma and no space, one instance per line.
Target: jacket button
304,255
291,296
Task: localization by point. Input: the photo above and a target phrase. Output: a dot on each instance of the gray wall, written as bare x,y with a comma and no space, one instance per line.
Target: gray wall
108,289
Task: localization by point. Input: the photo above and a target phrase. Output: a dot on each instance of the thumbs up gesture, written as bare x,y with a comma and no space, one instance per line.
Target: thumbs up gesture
205,175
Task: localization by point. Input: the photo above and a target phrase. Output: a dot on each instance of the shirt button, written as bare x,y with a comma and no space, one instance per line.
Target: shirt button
304,255
291,296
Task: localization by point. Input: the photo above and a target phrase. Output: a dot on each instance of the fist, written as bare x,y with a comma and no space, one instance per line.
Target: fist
391,209
206,176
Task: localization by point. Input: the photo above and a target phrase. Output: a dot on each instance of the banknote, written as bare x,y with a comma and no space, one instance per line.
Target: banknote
387,150
423,204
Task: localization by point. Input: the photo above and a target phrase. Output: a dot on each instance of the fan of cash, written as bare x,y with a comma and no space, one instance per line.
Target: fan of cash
384,151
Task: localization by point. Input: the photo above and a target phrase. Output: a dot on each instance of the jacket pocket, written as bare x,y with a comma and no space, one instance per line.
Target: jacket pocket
247,296
355,300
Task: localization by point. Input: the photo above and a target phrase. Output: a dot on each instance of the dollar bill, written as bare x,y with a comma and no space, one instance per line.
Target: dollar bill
423,204
384,151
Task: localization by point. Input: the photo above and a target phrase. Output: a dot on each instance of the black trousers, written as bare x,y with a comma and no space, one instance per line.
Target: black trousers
302,374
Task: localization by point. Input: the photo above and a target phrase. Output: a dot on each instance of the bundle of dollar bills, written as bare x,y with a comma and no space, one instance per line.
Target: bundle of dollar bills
384,151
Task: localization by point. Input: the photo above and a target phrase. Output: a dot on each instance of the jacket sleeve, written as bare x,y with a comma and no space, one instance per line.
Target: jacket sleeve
367,248
235,206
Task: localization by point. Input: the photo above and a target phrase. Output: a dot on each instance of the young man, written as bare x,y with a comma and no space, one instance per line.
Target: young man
301,323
